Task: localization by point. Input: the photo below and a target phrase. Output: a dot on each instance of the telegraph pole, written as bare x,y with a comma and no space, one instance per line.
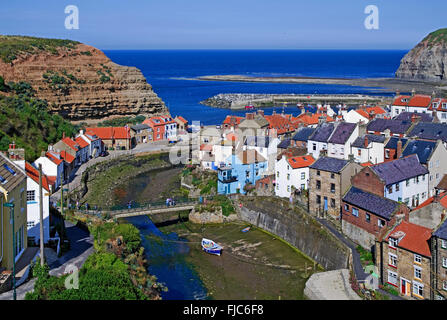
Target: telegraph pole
42,256
62,197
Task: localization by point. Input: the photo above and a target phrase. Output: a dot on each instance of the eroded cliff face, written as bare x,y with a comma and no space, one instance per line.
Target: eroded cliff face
428,60
81,83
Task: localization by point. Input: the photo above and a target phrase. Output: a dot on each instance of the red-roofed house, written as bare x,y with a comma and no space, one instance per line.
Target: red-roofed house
96,146
114,138
232,122
280,124
164,127
83,149
292,172
52,167
69,162
416,103
182,124
438,107
33,204
70,146
404,259
364,114
311,119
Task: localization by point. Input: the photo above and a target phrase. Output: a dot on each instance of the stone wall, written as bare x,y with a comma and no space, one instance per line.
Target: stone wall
358,235
297,228
210,217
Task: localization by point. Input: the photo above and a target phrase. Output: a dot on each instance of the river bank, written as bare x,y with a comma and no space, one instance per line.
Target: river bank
246,258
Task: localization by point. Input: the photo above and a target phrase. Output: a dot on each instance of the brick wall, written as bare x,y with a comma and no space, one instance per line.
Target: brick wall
367,180
405,269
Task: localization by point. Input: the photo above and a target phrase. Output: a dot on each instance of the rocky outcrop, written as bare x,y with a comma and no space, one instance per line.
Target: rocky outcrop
428,60
81,83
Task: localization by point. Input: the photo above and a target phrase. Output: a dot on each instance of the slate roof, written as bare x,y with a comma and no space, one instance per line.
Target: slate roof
284,144
303,134
380,206
12,180
140,126
429,131
395,126
360,141
342,132
441,232
422,148
406,116
392,143
322,132
400,169
329,164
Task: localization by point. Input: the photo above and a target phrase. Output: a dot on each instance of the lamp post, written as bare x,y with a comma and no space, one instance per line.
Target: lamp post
11,209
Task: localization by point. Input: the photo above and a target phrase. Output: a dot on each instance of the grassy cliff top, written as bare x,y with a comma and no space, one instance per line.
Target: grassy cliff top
438,36
11,46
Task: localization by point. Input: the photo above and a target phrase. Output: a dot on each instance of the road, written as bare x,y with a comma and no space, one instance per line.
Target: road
81,247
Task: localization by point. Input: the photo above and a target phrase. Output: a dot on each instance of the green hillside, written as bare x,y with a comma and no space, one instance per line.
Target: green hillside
11,46
438,36
25,120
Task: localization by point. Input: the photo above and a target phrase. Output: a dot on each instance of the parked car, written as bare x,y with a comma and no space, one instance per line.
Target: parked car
104,153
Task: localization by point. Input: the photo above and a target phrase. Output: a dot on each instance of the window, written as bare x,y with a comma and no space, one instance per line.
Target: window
407,182
30,195
418,288
390,189
318,172
392,278
332,203
314,146
392,242
332,175
318,199
332,187
368,217
444,262
318,184
30,224
444,285
277,174
397,187
303,175
288,188
443,244
381,223
303,186
417,258
417,272
387,153
407,201
355,212
392,261
360,152
347,207
288,176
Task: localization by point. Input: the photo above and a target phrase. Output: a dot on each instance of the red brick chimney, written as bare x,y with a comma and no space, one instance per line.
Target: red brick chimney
415,118
399,149
366,142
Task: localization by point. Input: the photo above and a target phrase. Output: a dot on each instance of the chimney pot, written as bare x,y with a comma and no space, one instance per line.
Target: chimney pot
399,149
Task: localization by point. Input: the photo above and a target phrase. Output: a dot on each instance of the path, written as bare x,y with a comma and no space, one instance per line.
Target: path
141,148
357,264
81,247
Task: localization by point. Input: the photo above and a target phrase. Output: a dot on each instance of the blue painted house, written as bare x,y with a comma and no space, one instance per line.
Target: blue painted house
241,169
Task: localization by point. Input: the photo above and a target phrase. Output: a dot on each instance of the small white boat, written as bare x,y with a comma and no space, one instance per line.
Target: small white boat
210,246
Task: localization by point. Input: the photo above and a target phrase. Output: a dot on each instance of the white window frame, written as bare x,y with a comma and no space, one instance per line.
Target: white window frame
444,262
355,212
417,269
417,258
416,287
393,242
392,275
443,244
392,259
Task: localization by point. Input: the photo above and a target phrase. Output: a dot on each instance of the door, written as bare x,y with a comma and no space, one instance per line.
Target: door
325,203
403,285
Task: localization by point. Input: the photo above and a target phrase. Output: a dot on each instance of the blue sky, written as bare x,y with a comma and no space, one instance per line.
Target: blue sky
228,24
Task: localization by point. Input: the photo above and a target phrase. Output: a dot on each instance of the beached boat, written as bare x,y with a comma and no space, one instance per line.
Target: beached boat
210,246
246,229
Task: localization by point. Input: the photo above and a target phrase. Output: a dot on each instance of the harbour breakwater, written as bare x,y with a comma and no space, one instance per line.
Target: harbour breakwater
240,100
297,228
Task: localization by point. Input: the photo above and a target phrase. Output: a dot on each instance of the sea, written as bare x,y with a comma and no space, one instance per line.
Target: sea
170,72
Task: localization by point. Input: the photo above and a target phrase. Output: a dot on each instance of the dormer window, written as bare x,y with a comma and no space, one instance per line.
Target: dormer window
393,242
444,105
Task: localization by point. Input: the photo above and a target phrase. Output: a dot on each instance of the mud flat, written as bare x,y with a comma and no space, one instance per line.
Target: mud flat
376,84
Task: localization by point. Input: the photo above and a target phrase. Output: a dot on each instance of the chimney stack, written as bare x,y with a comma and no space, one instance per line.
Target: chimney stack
415,118
399,149
366,142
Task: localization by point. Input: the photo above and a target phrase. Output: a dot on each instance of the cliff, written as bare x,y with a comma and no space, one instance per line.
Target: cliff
428,60
78,81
